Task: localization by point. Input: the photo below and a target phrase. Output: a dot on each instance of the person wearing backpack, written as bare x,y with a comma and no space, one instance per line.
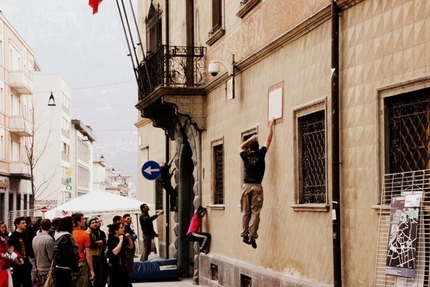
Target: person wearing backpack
66,254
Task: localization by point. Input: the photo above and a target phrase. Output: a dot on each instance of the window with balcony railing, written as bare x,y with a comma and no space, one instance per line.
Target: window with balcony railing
186,68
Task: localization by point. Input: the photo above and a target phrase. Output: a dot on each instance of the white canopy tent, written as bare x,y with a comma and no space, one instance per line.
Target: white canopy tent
97,203
103,205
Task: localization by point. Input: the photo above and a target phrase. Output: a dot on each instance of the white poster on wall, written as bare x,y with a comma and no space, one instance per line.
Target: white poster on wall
275,103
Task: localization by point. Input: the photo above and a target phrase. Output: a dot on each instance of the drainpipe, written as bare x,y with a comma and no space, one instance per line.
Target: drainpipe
167,203
167,136
337,255
167,59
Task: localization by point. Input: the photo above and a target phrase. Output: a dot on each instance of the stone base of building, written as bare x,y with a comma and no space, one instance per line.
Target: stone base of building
216,271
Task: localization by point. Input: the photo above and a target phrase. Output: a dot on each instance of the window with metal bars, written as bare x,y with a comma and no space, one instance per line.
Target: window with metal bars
214,272
313,158
158,194
218,177
245,281
408,126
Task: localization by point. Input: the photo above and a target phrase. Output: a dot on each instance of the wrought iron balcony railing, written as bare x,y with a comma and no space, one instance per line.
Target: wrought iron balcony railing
174,66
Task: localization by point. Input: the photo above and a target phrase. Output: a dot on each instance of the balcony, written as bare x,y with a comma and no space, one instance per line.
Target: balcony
19,169
20,82
20,125
171,82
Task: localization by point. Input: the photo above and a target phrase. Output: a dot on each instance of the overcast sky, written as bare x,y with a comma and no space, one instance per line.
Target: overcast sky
90,53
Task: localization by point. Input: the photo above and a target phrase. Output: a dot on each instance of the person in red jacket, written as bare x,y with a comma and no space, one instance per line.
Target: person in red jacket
193,233
4,261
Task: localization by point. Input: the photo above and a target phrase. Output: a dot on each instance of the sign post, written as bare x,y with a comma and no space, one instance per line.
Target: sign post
150,170
44,209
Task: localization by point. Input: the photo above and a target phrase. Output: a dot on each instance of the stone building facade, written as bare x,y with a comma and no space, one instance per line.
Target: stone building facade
281,56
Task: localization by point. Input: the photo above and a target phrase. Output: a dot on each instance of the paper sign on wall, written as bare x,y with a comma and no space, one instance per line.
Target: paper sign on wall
275,103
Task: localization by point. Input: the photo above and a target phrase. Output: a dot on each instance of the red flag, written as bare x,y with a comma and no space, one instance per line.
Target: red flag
95,5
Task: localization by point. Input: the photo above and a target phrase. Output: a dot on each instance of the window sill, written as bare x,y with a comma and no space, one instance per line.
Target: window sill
215,36
216,206
382,209
310,207
244,9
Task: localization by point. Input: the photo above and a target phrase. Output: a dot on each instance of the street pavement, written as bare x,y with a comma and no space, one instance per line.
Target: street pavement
182,282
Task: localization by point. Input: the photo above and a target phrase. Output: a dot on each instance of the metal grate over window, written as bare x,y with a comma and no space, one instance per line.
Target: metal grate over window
214,272
409,131
218,156
394,186
245,281
158,194
313,159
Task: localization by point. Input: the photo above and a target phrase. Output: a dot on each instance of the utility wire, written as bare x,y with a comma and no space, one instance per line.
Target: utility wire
104,85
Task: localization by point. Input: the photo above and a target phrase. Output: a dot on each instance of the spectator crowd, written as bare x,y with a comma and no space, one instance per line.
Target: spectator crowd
70,251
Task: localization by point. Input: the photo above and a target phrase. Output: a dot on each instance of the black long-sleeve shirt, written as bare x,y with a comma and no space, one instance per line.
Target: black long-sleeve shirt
146,223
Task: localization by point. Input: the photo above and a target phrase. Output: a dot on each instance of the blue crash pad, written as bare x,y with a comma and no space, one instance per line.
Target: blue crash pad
155,269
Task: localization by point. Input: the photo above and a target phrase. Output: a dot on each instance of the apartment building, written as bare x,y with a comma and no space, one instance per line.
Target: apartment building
347,82
52,150
17,68
82,158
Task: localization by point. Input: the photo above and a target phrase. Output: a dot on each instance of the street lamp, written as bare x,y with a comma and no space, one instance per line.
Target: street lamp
51,101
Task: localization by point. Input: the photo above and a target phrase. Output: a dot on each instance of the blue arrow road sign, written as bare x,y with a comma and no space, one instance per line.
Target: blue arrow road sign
150,170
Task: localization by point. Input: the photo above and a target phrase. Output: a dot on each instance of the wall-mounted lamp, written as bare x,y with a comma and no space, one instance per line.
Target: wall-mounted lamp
214,69
102,158
112,170
51,101
85,138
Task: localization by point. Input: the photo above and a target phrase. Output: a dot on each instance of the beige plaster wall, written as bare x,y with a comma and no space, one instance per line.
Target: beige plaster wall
299,239
384,43
262,25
